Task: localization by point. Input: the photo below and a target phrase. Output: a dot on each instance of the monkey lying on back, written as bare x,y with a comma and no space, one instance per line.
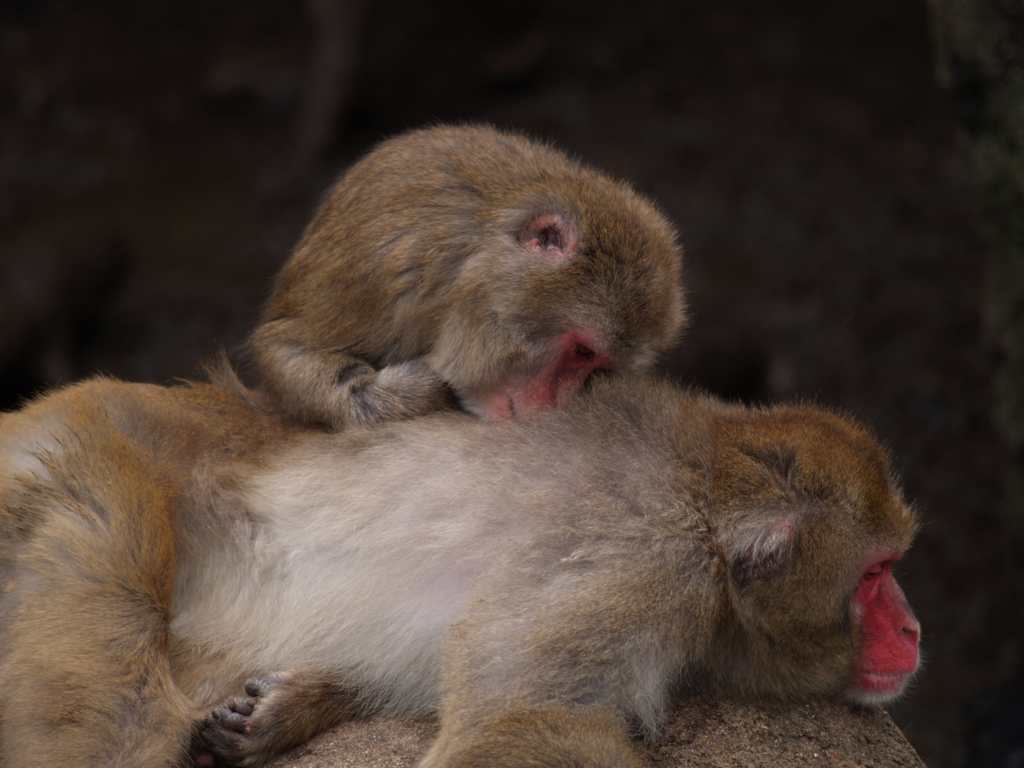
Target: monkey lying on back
469,258
544,585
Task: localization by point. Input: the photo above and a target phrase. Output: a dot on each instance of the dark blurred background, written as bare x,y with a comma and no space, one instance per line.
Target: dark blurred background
159,157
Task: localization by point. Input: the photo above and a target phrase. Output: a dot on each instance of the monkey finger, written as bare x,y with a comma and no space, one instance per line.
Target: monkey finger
232,720
257,686
243,706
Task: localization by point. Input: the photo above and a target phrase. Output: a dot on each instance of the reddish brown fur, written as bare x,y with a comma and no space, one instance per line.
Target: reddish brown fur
462,257
84,643
565,576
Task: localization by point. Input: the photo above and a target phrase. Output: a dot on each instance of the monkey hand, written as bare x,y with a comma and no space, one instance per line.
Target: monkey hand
336,388
398,391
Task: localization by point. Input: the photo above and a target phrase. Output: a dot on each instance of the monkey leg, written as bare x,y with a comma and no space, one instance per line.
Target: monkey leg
335,388
87,587
277,712
532,738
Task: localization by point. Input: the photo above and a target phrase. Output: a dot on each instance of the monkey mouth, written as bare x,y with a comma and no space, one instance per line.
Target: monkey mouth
881,683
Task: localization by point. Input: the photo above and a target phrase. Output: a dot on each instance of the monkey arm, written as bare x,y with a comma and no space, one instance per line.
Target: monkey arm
603,653
336,388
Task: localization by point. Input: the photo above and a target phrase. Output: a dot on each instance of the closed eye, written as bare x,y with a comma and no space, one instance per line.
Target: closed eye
585,352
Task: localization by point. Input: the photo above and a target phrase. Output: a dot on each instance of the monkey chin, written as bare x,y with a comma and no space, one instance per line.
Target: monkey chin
871,689
578,358
533,398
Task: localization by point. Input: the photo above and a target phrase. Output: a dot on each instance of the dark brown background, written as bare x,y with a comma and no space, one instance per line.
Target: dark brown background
802,147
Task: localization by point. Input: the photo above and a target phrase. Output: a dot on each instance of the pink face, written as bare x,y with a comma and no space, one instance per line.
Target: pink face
578,357
888,654
555,238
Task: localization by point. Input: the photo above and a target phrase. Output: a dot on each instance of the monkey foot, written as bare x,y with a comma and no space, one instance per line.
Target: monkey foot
239,730
276,713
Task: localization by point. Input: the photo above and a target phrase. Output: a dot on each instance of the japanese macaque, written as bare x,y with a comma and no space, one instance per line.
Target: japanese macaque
185,575
467,260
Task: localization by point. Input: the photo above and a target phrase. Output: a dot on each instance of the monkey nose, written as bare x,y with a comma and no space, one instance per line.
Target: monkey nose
911,631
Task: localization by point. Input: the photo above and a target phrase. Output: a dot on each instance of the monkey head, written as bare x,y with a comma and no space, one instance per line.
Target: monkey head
811,524
549,298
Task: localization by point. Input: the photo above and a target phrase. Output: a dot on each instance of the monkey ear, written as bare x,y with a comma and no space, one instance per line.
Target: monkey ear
550,234
766,554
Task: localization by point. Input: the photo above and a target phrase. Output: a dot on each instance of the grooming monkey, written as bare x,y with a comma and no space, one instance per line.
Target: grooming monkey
182,572
468,259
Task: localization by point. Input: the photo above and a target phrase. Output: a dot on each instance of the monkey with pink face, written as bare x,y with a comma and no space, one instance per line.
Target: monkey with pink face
182,575
466,261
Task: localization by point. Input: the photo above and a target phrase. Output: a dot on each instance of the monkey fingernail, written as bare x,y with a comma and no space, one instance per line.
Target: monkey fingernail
255,686
244,707
232,720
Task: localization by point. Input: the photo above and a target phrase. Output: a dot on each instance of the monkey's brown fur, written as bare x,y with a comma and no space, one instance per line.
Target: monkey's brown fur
465,257
543,585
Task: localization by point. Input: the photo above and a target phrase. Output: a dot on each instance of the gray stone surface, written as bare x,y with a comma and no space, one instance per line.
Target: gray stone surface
703,733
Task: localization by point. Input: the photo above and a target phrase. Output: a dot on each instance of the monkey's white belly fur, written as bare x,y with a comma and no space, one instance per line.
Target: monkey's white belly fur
309,578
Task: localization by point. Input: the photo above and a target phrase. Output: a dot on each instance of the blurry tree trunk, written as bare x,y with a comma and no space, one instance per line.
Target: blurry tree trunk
980,53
